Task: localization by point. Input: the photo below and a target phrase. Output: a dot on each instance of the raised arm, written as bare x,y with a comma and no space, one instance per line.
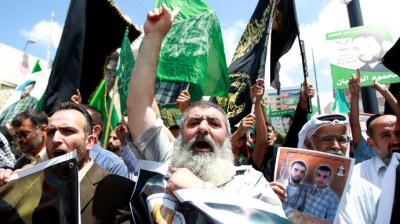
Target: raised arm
300,116
354,86
390,99
260,146
141,115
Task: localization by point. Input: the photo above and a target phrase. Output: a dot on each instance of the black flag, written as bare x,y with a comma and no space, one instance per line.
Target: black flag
248,63
391,59
284,31
93,31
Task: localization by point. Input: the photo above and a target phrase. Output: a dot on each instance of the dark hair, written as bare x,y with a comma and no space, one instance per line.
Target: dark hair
368,123
96,115
174,127
73,106
287,116
33,82
301,163
324,168
378,37
38,118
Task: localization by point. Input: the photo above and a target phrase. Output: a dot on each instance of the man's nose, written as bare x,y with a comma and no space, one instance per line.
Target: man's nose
203,127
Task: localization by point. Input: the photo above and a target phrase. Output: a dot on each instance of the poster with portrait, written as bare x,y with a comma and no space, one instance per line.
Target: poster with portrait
315,183
26,90
360,47
281,119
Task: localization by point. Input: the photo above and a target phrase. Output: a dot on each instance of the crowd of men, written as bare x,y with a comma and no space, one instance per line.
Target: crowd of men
207,153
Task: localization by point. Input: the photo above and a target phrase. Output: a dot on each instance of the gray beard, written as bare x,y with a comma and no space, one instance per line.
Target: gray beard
33,146
385,158
215,167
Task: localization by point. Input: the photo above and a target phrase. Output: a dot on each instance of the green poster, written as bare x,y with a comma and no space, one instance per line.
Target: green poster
360,47
281,119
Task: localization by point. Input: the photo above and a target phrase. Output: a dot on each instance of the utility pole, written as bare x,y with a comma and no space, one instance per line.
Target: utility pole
49,40
316,82
368,95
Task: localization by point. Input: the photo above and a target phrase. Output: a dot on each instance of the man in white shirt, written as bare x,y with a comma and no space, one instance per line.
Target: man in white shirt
384,140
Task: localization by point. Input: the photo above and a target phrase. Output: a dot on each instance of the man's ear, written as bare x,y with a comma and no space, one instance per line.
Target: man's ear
97,130
43,129
371,143
90,141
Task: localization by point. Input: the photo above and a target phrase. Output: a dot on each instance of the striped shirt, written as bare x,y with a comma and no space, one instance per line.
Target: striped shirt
372,170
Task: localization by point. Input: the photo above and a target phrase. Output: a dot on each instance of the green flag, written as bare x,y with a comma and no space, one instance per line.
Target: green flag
101,101
126,63
340,105
193,50
37,67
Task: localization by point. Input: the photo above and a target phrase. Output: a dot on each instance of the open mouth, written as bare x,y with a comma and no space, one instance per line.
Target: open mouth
58,153
202,146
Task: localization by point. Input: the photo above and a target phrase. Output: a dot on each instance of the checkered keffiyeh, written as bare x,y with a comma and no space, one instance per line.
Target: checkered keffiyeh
6,155
167,92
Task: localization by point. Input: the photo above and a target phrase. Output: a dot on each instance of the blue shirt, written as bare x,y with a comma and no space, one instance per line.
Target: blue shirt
323,204
108,160
362,152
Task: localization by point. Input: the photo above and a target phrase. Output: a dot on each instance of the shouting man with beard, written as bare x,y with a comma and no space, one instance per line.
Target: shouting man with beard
201,157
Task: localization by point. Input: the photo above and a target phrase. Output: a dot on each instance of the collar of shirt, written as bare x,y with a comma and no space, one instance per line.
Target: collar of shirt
82,172
380,166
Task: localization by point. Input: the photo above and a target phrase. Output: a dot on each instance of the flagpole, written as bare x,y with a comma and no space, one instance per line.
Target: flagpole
305,71
110,112
316,82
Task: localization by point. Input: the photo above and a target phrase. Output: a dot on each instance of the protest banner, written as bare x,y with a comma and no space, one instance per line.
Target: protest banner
360,47
315,182
153,204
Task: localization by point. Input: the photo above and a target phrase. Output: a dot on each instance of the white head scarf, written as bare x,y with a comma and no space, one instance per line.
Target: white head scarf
320,121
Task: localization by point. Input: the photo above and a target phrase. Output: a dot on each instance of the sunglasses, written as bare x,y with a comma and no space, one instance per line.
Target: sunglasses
328,139
23,134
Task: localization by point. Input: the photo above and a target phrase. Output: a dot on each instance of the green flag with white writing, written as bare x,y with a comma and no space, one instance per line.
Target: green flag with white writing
193,50
126,63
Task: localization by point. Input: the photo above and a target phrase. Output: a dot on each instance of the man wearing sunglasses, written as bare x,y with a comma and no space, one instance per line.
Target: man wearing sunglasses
30,135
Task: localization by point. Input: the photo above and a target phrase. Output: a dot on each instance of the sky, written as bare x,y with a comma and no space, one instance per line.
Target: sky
25,20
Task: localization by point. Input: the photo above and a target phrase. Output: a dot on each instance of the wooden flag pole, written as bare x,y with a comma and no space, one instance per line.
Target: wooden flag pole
110,112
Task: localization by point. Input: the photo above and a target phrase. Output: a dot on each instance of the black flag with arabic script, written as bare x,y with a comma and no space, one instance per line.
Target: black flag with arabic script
285,29
248,63
93,30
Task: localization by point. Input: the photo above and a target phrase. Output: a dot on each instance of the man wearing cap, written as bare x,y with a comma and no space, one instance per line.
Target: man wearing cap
26,102
330,134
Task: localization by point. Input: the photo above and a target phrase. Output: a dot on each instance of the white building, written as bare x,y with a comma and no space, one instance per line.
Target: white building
15,66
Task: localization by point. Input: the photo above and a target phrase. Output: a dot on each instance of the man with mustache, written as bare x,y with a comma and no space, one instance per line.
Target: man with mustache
330,133
30,135
321,201
384,140
71,128
201,156
295,190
